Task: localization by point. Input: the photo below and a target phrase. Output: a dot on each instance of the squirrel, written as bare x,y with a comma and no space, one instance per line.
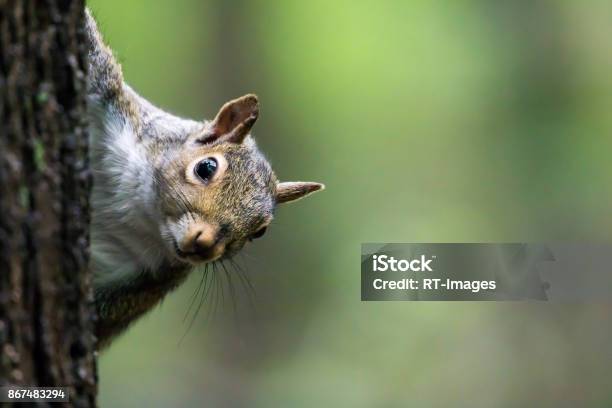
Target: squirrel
169,194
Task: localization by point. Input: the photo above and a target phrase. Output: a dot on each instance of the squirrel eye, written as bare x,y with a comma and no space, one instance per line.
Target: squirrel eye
206,168
260,232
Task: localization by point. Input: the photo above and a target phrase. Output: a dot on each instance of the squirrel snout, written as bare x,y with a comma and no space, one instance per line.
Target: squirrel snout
203,241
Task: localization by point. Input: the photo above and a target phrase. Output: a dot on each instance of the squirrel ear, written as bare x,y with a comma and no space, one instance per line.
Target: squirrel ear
234,120
294,190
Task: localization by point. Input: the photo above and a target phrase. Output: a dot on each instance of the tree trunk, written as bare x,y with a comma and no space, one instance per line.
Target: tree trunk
46,306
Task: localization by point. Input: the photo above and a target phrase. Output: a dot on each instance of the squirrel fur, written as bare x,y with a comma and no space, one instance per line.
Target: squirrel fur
169,193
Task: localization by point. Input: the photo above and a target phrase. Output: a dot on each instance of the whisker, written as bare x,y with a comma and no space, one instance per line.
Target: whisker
243,275
231,288
218,289
203,297
212,288
194,296
222,287
246,284
212,310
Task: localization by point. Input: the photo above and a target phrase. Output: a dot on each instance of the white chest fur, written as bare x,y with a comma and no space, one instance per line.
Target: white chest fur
125,236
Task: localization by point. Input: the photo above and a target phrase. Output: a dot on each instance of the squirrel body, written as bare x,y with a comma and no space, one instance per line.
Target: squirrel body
169,193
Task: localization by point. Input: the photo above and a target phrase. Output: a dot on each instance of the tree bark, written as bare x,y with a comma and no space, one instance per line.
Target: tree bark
46,304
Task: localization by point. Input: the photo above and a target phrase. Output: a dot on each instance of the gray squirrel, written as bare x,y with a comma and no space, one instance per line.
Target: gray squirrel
169,194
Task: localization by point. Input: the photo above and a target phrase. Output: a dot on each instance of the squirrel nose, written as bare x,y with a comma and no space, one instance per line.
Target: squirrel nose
203,240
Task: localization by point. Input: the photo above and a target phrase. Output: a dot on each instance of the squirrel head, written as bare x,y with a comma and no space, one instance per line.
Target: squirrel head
218,191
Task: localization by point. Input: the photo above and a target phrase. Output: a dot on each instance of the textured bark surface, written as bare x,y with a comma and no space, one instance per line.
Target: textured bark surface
46,305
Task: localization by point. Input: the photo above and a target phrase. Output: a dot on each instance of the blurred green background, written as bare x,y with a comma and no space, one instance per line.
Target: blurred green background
429,121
